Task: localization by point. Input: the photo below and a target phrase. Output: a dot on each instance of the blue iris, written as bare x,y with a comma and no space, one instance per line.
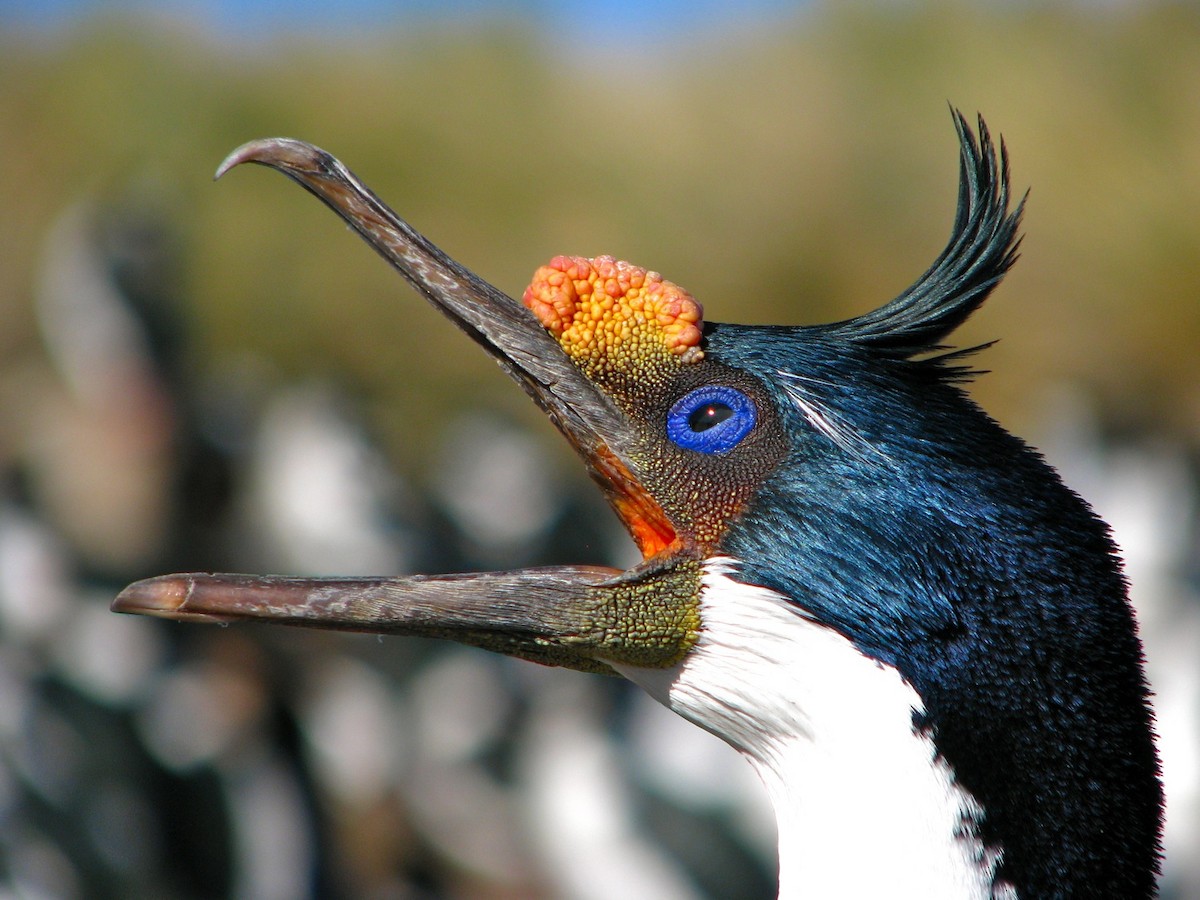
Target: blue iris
711,419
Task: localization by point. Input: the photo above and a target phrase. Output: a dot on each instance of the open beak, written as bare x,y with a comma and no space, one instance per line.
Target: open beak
576,616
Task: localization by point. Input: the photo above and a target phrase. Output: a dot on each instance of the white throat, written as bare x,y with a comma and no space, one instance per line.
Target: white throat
864,806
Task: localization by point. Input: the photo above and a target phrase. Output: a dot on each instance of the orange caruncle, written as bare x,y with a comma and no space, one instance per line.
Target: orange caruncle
614,317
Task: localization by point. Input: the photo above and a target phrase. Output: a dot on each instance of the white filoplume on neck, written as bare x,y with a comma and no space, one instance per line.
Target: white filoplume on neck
864,806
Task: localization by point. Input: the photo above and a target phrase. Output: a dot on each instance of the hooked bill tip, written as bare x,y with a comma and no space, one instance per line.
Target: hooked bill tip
286,153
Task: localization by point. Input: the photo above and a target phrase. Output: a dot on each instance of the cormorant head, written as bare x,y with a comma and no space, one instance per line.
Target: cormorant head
685,425
829,483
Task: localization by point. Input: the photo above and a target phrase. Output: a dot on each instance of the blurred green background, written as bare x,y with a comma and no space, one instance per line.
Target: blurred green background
795,170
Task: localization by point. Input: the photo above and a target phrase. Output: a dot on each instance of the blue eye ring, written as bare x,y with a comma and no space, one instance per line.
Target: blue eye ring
711,419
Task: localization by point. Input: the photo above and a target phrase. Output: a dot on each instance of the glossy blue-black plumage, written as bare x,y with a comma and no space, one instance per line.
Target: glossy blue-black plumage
909,521
952,552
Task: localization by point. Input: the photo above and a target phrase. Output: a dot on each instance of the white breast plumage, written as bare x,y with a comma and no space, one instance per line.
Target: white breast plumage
865,807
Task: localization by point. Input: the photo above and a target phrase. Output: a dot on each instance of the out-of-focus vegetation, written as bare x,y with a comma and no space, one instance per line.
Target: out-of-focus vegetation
793,174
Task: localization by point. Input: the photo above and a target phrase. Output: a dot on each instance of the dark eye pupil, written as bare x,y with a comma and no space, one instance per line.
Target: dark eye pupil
711,419
706,416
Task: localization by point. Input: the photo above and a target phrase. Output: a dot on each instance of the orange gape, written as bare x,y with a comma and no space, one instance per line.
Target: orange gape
649,526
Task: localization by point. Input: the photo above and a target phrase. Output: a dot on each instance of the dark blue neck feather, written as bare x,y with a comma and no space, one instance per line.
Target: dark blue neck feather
954,553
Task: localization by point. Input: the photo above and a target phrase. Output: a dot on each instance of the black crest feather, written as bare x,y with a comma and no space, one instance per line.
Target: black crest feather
983,245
